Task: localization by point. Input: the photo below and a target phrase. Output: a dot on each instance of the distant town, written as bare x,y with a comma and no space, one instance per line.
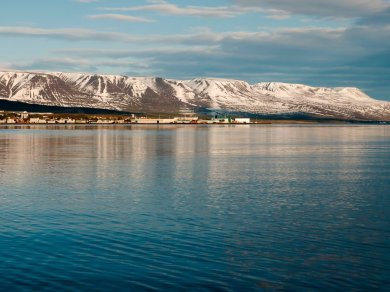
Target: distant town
25,117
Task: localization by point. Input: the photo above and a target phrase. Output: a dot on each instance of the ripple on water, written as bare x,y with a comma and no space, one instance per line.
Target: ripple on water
200,208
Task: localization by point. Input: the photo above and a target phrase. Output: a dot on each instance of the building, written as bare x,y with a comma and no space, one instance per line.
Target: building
10,121
24,115
155,121
186,119
217,120
80,121
242,120
65,121
104,121
37,121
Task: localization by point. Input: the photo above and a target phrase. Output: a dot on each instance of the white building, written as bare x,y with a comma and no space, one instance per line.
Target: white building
80,121
103,121
186,119
35,120
155,121
24,115
242,120
65,121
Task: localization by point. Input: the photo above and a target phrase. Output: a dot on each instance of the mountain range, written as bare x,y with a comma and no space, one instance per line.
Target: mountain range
158,95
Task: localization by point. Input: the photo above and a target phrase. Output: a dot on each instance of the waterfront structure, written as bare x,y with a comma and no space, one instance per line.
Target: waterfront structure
155,121
49,118
242,120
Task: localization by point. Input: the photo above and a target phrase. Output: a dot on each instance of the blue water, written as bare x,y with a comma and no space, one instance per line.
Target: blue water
284,207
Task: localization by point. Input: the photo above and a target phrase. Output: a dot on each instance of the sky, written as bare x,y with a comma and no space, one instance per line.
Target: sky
316,42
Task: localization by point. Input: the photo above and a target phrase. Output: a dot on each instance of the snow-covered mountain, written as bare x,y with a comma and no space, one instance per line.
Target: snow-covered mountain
150,94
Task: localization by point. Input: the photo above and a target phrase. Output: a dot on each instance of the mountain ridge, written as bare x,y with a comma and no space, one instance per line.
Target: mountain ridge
156,94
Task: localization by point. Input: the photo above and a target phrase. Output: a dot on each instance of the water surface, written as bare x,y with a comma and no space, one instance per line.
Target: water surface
286,207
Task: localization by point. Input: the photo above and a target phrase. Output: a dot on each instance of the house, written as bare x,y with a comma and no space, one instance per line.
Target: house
10,121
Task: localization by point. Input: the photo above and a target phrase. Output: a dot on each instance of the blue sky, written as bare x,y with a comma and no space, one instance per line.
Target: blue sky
316,42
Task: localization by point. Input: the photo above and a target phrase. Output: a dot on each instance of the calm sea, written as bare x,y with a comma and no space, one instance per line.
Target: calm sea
289,207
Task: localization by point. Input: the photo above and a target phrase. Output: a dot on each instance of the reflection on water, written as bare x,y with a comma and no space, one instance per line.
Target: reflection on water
195,207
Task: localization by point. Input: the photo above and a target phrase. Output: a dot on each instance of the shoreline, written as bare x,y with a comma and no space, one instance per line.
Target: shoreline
281,122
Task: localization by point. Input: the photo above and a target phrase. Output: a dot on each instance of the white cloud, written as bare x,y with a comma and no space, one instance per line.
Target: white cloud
201,11
85,1
79,34
172,9
73,34
322,8
121,54
76,64
119,17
